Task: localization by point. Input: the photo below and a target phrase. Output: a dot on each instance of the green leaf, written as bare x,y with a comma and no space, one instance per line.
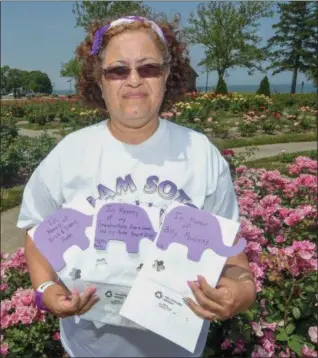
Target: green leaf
290,328
282,336
310,289
295,346
296,312
281,307
249,315
297,338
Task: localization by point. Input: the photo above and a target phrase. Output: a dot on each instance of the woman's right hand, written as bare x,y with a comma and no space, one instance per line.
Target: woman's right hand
62,303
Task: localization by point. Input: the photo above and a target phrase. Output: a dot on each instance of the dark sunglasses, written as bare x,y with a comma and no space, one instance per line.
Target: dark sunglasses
148,70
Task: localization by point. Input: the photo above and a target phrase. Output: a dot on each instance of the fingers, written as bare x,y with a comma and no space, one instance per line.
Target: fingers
77,304
89,299
205,302
69,305
211,302
200,311
211,292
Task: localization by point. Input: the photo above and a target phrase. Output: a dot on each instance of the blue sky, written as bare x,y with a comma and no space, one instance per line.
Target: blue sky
42,35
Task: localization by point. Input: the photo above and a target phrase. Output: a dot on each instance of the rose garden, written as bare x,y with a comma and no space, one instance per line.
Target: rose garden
278,207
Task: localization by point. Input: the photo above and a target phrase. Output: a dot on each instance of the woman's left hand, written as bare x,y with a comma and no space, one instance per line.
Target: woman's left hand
229,298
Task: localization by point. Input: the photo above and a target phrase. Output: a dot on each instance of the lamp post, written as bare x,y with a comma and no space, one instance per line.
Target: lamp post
70,82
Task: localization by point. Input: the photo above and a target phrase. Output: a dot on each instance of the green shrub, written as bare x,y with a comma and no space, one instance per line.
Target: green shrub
269,125
264,87
8,129
17,111
221,87
10,197
290,100
20,156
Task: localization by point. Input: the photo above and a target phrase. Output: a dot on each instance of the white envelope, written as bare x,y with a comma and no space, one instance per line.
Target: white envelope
155,301
113,272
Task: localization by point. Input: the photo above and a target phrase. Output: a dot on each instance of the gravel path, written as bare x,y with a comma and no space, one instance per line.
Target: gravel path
11,237
270,150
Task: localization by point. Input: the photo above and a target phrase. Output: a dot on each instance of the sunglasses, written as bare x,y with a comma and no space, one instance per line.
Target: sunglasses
149,70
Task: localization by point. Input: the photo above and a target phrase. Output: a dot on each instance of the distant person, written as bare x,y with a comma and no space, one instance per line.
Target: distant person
129,67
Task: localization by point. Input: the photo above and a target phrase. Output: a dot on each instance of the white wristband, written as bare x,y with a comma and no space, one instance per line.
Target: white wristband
45,285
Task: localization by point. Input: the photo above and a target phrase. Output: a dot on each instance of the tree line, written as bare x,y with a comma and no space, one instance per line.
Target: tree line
228,32
20,81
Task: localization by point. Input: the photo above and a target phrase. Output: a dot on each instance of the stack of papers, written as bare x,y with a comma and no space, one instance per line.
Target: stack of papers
139,263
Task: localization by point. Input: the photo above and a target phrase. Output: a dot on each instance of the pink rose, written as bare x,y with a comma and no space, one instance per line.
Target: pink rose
308,353
280,239
5,321
305,254
313,334
257,329
270,326
15,318
261,353
26,319
257,271
5,306
4,256
27,300
268,345
3,286
56,336
239,347
4,349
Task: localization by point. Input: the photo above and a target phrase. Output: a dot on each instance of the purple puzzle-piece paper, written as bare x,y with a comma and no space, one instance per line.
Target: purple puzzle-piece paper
57,233
123,222
198,230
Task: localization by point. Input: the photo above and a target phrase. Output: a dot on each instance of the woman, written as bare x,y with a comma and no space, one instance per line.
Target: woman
127,67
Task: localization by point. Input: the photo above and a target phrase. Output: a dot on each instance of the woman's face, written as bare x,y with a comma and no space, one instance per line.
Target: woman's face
132,100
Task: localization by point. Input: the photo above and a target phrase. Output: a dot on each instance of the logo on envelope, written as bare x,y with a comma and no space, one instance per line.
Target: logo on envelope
158,294
109,294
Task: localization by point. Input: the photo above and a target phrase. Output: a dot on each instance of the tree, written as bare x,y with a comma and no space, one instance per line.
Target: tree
264,87
312,75
87,11
221,87
293,46
39,82
312,54
228,32
71,69
4,71
14,80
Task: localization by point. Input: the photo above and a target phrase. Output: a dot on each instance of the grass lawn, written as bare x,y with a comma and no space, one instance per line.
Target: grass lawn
264,139
10,197
280,162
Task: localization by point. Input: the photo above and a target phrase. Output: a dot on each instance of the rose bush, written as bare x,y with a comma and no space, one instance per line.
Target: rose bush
279,220
26,331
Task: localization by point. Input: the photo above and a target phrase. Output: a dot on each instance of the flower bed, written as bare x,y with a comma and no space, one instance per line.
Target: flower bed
279,220
237,115
26,331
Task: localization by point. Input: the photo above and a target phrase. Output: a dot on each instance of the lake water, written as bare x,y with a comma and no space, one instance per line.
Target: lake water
282,88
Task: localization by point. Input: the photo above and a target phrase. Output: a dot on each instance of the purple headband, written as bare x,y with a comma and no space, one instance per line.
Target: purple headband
98,37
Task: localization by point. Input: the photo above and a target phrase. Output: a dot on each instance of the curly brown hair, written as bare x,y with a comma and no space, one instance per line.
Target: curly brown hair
91,66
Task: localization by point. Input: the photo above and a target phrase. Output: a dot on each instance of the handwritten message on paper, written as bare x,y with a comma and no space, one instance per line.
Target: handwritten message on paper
65,228
123,222
198,230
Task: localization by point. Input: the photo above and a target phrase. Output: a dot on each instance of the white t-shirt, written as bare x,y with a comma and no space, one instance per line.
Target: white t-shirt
174,164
